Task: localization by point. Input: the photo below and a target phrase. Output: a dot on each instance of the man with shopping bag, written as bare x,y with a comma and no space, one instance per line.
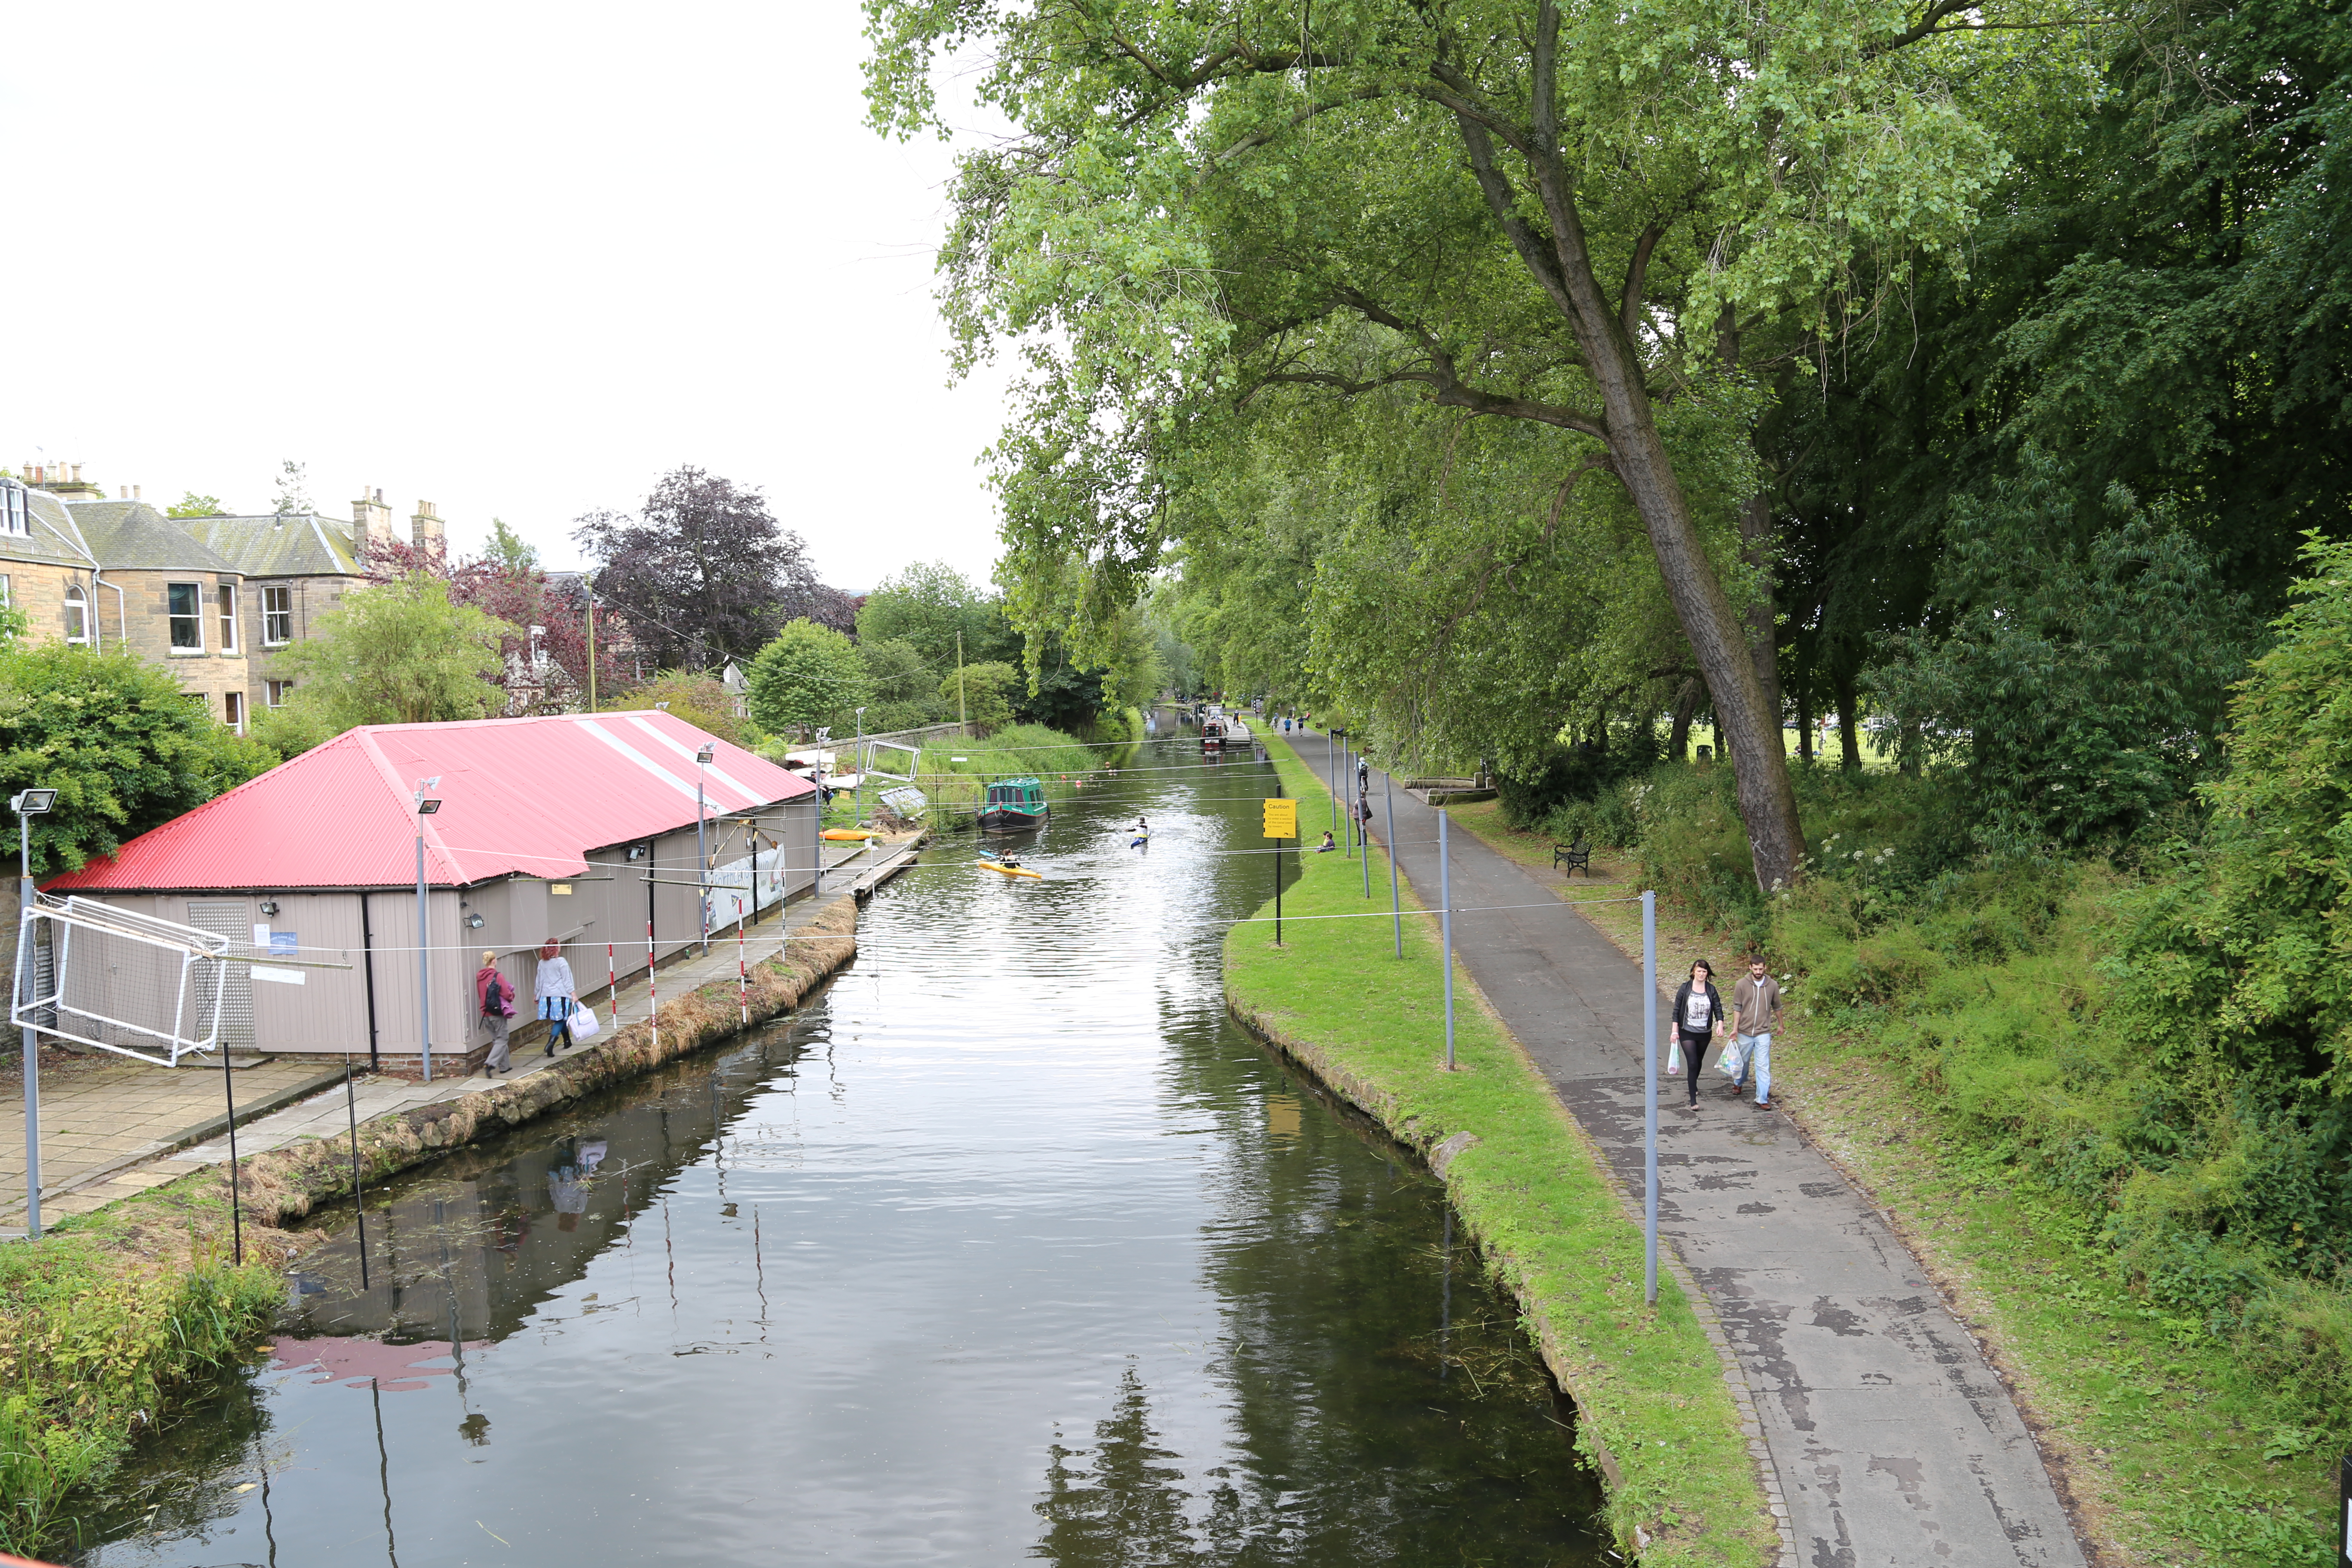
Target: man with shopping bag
1755,1011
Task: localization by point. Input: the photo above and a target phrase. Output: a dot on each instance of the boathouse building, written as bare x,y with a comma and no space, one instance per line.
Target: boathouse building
576,826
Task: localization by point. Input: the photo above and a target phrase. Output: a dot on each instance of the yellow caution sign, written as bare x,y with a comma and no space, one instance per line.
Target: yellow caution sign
1281,818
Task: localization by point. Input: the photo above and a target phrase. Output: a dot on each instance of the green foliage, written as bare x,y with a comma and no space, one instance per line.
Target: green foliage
510,552
124,747
91,1342
901,689
982,694
2274,926
927,607
698,698
191,504
2077,683
401,653
809,677
289,731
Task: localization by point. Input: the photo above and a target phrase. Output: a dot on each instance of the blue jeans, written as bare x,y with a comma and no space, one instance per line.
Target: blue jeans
1756,1060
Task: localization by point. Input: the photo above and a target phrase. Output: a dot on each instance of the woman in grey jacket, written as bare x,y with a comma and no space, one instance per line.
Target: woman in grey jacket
556,995
1698,1017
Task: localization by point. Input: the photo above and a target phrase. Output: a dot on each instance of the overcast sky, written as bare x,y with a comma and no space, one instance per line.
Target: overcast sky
517,259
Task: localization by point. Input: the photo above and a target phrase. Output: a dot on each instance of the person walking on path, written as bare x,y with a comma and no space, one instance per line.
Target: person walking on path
555,994
494,998
1754,1009
1698,1017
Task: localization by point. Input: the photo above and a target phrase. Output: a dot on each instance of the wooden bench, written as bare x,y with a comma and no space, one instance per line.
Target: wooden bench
1576,856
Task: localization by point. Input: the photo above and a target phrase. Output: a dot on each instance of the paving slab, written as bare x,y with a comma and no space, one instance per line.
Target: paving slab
1893,1441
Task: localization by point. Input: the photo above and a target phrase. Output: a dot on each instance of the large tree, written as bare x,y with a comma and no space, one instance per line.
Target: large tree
1592,220
400,653
118,740
704,573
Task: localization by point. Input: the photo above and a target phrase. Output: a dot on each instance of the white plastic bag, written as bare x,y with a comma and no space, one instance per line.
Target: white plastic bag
585,1025
1734,1060
1674,1054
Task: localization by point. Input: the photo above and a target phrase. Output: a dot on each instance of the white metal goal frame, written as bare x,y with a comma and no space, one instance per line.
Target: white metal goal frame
135,984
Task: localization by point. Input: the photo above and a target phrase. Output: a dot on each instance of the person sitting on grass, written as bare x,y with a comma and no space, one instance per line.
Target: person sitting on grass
1327,846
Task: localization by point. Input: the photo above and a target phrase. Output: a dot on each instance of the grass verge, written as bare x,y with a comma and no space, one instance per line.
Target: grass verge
1655,1413
100,1321
2166,1447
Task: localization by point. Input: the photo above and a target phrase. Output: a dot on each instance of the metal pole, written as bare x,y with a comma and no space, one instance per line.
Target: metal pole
424,956
359,1192
1277,876
702,859
1445,919
1331,766
589,580
235,1219
1650,1097
32,1036
859,757
1396,905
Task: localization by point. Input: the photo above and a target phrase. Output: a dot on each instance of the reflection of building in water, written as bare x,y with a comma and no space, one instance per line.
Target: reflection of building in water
463,1253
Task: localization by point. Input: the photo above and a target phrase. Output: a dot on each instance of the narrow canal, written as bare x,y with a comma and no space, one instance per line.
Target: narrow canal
1009,1247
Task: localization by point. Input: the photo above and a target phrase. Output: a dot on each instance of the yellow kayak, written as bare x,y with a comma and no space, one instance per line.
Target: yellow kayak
850,835
1013,870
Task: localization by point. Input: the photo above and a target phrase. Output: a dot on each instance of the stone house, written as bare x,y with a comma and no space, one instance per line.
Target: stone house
215,599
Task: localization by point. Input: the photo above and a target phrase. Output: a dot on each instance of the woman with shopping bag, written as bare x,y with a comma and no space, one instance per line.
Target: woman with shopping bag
555,994
1698,1017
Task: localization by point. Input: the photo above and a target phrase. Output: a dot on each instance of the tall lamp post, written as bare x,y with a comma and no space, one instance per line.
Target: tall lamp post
426,804
702,760
860,755
27,804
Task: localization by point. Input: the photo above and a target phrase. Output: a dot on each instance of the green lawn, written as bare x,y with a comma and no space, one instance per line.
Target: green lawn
1654,1408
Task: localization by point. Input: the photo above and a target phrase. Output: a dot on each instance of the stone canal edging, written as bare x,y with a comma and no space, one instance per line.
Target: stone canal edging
285,1184
1661,1407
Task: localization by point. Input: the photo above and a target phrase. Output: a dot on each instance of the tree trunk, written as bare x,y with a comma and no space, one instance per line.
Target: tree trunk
1686,705
1750,723
1762,617
1849,725
1804,698
1561,264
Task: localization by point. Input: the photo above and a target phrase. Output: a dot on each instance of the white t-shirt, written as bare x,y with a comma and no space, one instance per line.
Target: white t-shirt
1697,1012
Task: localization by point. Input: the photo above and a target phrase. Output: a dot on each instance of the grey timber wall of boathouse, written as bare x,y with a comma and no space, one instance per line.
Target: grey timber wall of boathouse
601,924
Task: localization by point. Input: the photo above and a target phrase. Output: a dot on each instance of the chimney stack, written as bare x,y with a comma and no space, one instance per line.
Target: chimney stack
425,529
134,492
374,518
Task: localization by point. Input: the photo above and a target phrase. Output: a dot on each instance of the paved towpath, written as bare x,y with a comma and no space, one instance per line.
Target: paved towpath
1894,1442
171,1121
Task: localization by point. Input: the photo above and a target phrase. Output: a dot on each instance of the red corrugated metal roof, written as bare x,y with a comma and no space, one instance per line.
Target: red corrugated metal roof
518,795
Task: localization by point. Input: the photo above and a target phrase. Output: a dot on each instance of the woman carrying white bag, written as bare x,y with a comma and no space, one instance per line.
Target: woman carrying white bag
1698,1017
555,994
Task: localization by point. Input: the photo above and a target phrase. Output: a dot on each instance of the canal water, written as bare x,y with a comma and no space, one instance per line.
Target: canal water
1008,1246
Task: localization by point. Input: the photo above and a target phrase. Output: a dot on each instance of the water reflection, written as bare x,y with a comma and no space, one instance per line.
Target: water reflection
1010,1246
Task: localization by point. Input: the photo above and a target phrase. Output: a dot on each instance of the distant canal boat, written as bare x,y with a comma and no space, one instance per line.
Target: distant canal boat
1012,805
1212,735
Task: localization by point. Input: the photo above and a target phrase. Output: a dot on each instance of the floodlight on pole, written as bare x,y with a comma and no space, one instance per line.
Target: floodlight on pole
702,760
426,804
29,804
